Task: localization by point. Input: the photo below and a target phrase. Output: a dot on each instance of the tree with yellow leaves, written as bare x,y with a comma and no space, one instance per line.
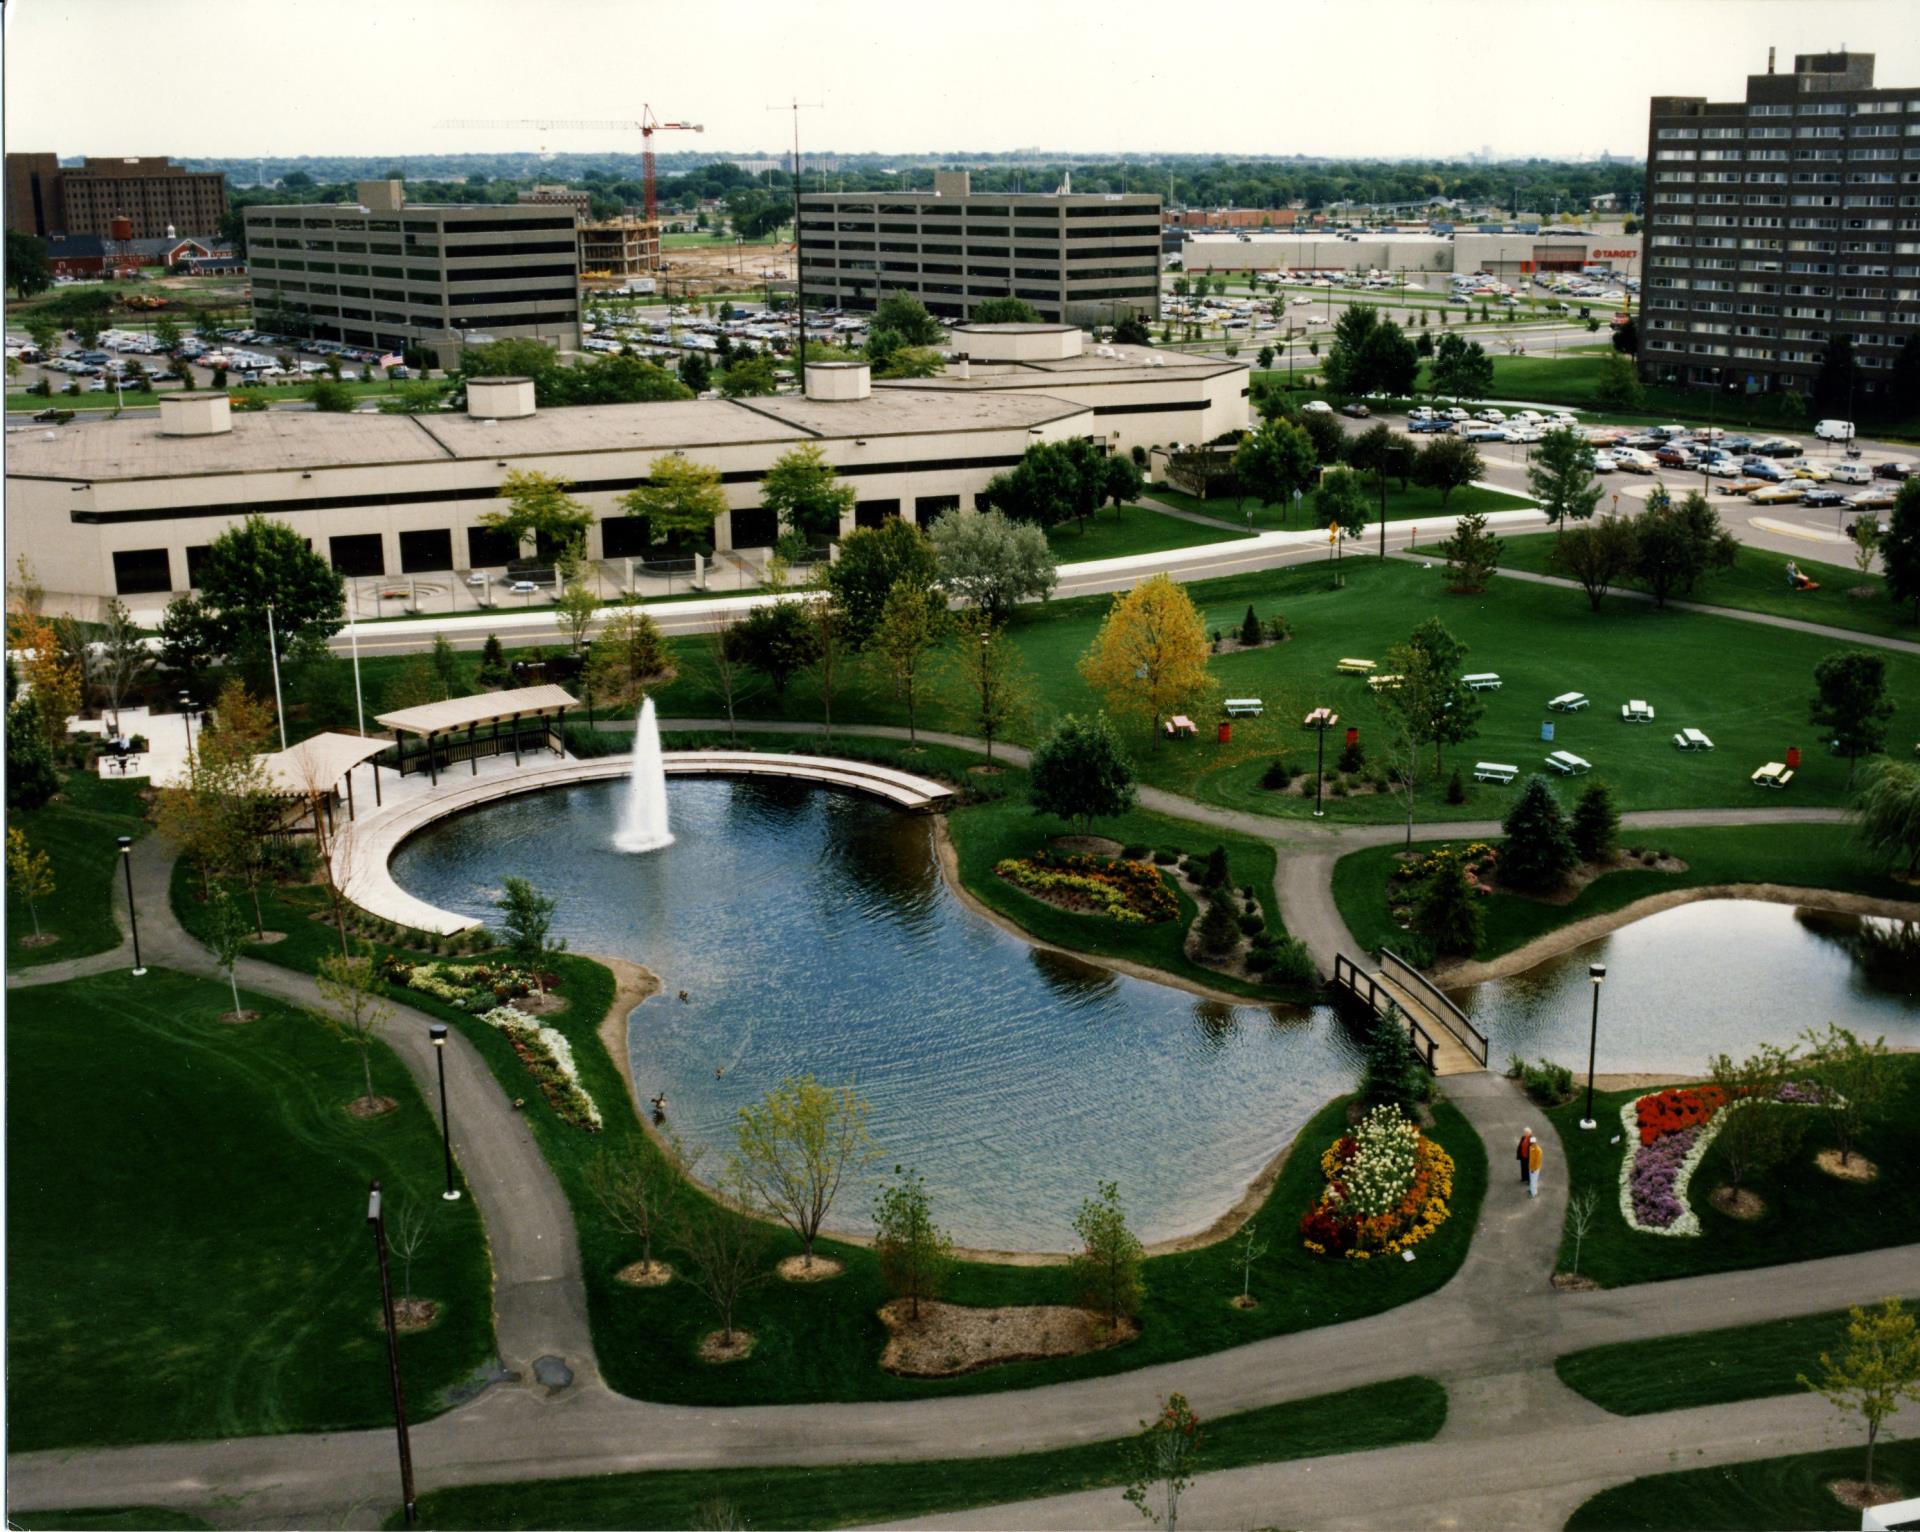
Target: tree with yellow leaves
1150,656
51,674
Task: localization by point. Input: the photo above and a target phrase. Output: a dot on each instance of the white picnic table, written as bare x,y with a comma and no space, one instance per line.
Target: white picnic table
1482,681
1384,683
1568,764
1692,739
1351,667
1180,727
1568,702
1494,771
1244,707
1773,774
1636,711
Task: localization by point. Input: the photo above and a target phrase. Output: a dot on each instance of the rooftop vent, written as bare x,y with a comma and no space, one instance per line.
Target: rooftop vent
839,380
195,415
491,399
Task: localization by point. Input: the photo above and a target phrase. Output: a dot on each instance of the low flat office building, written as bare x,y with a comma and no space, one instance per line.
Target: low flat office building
1140,396
1507,255
387,274
1076,258
1779,222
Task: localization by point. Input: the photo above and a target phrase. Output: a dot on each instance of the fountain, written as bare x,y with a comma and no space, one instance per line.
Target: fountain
643,822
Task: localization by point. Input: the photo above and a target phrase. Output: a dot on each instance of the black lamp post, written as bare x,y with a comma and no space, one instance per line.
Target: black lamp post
1597,972
133,910
378,1224
186,716
438,1032
1321,719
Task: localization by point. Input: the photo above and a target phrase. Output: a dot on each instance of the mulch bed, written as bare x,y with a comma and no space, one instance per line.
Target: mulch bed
377,1106
795,1269
716,1348
44,939
645,1274
411,1314
1857,1168
237,1018
950,1339
1738,1203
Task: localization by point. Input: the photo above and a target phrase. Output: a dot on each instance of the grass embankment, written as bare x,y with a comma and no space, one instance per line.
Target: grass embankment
120,1518
79,830
1410,504
1809,1214
1757,582
1797,855
1787,1494
272,393
1683,1372
822,1341
1541,639
186,1221
835,1495
1135,529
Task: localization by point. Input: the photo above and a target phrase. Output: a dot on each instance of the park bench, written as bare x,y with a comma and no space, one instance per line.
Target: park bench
1568,764
1357,667
1568,702
1494,771
1485,681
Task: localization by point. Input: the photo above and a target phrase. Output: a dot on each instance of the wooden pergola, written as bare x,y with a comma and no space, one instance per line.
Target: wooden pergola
451,729
313,770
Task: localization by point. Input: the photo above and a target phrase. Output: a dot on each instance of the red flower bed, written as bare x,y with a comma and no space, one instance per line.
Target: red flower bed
1670,1111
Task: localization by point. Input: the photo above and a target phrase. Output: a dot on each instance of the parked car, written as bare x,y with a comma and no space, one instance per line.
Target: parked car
522,588
1761,468
52,417
1737,443
1875,499
1778,446
1742,486
1671,456
1456,414
1851,473
1429,423
1802,469
1316,407
1834,430
1632,460
1482,432
1492,417
1357,410
1724,468
1818,499
1777,494
1603,462
1895,469
479,579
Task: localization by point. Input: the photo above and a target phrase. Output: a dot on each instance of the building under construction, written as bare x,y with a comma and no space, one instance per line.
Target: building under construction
613,251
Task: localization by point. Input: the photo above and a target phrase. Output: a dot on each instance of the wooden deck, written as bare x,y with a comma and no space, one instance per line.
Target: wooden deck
1442,1035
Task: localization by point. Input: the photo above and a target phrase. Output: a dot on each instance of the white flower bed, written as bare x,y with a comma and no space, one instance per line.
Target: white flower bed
542,1039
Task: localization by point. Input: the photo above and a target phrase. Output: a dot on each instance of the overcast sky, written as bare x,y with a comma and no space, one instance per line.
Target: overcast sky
1342,77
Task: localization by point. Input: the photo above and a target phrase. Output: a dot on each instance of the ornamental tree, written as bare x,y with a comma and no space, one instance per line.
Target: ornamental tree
1447,463
526,920
1597,555
916,1256
1878,1371
1165,1457
29,874
1079,772
990,563
1885,809
681,500
1859,1075
640,1188
1150,656
1850,703
794,1147
802,489
776,640
990,681
538,509
912,622
1106,1270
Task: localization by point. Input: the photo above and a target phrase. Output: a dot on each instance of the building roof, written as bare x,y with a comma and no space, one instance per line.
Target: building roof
1127,364
1012,328
317,762
901,412
264,442
483,707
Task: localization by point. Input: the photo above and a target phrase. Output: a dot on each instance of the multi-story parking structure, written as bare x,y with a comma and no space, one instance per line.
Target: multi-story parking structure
1777,223
1076,258
388,275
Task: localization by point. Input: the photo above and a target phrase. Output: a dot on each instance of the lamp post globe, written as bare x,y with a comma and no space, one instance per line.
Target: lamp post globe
1596,975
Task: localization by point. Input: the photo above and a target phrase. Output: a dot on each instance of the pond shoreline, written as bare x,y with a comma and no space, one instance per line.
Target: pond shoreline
1464,974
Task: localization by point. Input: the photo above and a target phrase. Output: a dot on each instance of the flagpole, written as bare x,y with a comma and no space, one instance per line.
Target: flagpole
353,631
273,653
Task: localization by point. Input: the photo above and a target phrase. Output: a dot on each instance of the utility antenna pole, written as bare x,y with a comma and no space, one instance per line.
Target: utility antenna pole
796,106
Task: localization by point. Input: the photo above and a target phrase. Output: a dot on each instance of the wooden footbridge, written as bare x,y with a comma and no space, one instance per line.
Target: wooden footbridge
1441,1033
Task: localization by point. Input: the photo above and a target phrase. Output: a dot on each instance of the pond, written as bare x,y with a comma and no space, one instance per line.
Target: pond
813,933
1721,975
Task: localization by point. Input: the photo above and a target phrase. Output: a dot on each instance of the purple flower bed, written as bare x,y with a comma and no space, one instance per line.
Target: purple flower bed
1803,1093
1655,1169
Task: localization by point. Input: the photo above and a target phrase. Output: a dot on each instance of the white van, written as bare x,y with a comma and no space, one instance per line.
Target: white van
1848,472
1834,430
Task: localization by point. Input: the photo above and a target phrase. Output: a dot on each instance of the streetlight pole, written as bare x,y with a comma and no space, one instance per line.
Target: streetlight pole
1597,972
186,717
273,653
133,910
438,1032
377,1223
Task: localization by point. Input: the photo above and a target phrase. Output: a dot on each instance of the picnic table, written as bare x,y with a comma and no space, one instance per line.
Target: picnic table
1567,702
1323,718
1692,739
1568,764
1484,681
1244,707
1773,774
1383,683
1636,711
1357,667
1494,771
1180,727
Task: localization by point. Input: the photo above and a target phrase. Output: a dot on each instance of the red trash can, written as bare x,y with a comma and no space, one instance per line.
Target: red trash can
1226,732
1353,738
1793,758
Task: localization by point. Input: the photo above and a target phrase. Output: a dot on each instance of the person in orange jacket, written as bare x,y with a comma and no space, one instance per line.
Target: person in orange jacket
1520,1154
1534,1160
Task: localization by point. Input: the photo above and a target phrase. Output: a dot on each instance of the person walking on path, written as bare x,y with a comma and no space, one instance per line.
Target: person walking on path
1534,1160
1520,1154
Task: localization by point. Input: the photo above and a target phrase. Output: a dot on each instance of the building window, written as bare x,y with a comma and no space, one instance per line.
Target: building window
927,509
875,513
360,553
488,549
623,537
421,552
754,527
142,571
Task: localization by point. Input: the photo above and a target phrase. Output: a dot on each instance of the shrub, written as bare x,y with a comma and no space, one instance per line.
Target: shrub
1216,872
1292,964
1277,775
1219,933
1353,758
1250,629
1547,1083
1136,852
1278,628
1252,925
1166,858
1456,787
1339,788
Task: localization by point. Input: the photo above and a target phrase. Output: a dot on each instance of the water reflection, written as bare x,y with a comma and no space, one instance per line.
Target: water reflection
1721,975
813,933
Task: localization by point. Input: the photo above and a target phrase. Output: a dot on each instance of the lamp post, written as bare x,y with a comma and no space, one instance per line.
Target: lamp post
133,910
1321,719
438,1032
1597,972
377,1223
186,717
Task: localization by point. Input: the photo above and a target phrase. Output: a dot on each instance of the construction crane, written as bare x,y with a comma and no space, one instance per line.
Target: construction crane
647,124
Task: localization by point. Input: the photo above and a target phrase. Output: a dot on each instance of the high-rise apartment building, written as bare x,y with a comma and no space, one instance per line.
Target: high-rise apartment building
1078,259
1777,223
388,274
155,195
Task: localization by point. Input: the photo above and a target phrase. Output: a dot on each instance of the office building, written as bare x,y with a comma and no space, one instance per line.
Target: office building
613,251
1509,254
1077,259
156,196
388,274
1778,222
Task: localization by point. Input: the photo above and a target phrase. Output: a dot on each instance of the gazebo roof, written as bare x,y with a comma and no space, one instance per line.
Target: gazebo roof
316,763
486,707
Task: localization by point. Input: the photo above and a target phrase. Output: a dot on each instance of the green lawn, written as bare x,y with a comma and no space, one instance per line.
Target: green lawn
1137,529
79,830
186,1221
822,1342
1379,1415
1757,582
1683,1372
1799,855
1769,1495
1410,504
1809,1213
271,392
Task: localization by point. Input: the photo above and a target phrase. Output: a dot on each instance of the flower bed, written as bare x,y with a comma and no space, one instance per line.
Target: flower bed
1387,1189
1675,1128
548,1057
1119,890
474,987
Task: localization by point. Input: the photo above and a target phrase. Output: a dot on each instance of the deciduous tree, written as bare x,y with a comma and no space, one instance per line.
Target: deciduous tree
1106,1269
1165,1458
538,507
527,923
1472,554
640,1186
1859,1078
990,563
1340,505
1275,462
1886,813
1447,463
777,640
29,873
807,495
986,672
795,1146
1900,548
916,1256
726,1256
1560,475
355,993
1878,1371
1079,772
873,562
1850,703
912,620
1598,555
1759,1132
1150,656
681,500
